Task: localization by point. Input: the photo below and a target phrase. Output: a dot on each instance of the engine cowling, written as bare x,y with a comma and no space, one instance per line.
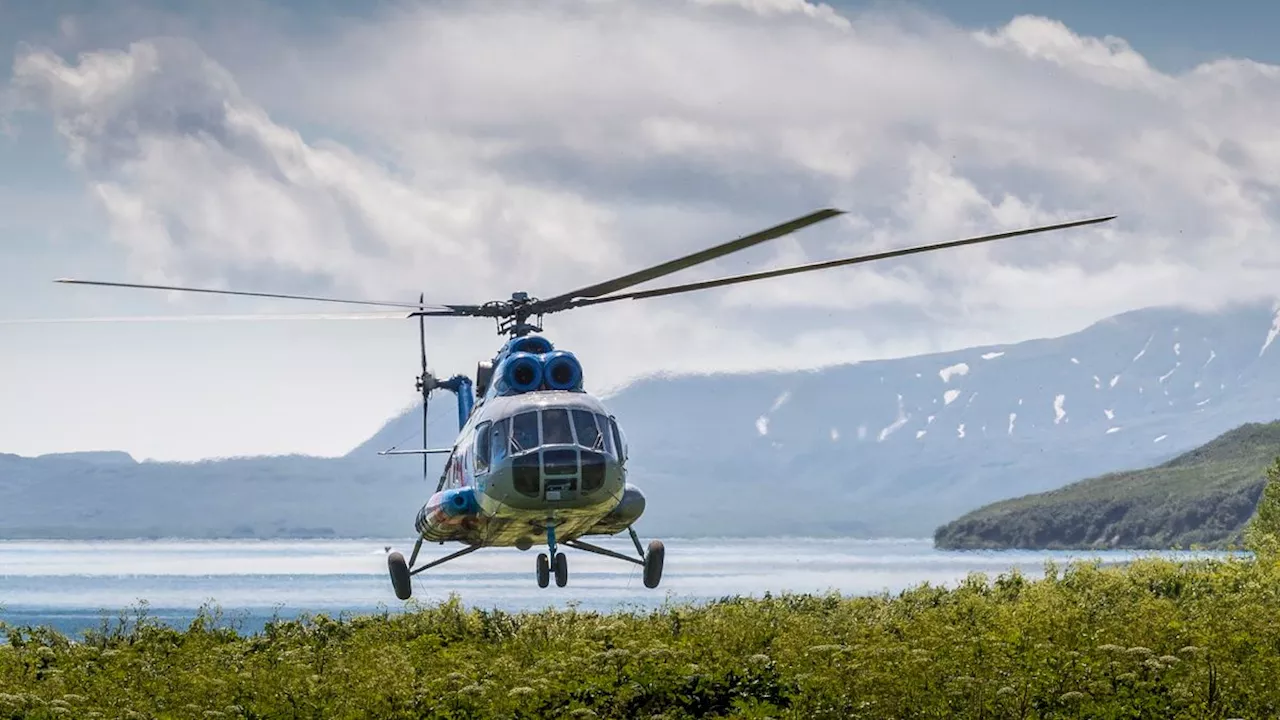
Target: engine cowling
522,372
562,371
624,514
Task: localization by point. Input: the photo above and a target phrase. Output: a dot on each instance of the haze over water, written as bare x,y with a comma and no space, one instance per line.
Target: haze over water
73,585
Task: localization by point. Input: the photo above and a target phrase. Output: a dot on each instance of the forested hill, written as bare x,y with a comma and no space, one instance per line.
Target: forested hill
1202,497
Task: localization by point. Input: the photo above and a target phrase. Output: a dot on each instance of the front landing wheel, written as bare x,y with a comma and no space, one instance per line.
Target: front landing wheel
544,570
653,564
561,564
400,579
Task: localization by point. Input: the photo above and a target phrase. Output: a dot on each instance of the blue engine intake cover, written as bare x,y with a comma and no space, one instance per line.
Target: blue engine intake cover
562,371
522,372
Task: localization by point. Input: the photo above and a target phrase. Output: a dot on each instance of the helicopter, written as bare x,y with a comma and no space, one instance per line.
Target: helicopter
537,458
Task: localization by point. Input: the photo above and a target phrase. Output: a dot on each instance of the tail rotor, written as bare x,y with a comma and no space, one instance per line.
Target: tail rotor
426,382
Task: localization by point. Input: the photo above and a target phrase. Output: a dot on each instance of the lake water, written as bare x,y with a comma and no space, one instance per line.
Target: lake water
73,585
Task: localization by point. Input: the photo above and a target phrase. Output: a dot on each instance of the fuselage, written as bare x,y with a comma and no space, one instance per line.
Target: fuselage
526,460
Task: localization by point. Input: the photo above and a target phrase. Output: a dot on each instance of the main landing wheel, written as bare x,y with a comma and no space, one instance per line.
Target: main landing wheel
400,579
653,564
561,564
544,570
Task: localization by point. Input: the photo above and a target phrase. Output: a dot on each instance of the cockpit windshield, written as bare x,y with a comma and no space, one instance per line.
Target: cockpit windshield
555,427
588,433
559,426
524,431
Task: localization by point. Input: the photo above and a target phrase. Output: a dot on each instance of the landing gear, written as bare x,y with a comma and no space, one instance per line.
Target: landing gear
400,580
544,570
557,562
651,560
561,564
401,575
653,564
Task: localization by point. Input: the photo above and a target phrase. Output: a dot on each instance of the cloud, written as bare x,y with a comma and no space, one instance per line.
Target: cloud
473,149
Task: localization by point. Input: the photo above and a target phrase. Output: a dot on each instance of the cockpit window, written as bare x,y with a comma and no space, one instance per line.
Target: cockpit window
524,432
482,448
619,440
555,427
609,449
584,423
498,444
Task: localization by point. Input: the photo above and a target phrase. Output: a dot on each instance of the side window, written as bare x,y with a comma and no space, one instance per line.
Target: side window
482,448
609,449
498,441
618,442
448,470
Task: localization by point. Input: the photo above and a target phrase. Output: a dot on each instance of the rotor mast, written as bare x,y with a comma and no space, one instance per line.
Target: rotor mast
515,322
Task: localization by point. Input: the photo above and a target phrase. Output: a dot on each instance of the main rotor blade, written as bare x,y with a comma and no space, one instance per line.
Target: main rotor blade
808,267
387,315
459,309
657,271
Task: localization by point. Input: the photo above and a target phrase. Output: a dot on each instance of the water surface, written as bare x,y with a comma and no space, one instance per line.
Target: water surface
74,585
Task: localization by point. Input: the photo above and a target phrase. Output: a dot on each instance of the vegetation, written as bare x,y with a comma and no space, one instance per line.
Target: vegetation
1153,639
1204,497
1263,533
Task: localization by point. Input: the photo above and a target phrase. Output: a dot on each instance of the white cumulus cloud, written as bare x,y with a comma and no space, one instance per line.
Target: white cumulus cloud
472,149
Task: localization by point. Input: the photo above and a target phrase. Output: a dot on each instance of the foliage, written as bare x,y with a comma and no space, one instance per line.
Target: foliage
1155,638
1263,533
1203,497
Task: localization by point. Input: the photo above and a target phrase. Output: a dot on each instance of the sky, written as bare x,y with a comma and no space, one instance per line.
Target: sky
467,150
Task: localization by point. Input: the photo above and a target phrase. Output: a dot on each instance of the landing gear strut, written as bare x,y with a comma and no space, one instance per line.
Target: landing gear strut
401,575
557,562
651,560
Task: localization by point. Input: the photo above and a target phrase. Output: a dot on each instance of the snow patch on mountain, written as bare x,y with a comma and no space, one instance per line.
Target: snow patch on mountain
899,422
1058,412
1143,351
1272,333
950,396
992,355
780,401
950,371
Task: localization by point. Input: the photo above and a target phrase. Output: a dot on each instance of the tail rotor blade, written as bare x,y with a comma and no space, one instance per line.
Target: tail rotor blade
426,387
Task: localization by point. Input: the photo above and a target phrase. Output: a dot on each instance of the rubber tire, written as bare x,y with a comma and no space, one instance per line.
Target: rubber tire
561,564
400,579
653,563
544,570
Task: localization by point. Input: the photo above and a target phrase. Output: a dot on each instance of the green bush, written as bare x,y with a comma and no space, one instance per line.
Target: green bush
1262,536
1155,638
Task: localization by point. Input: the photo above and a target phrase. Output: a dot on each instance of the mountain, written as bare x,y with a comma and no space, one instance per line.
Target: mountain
1202,497
884,448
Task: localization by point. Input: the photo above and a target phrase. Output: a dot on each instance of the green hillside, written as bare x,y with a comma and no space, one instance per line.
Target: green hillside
1202,497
